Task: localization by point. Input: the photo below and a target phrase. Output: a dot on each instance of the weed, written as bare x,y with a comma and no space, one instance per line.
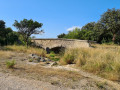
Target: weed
100,85
30,60
10,64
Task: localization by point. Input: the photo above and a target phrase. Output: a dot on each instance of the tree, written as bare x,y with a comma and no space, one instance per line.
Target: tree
86,35
111,20
13,38
61,35
2,24
89,26
28,27
4,33
73,34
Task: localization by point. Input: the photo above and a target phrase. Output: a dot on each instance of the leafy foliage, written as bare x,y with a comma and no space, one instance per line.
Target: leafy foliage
7,35
73,34
28,27
61,35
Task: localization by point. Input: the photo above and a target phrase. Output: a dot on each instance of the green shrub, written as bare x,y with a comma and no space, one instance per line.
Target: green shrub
55,59
52,54
10,64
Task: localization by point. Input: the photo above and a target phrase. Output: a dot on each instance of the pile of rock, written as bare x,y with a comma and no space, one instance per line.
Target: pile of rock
35,58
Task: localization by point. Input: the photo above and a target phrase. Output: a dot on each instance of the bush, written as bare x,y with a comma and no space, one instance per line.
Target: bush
10,64
68,57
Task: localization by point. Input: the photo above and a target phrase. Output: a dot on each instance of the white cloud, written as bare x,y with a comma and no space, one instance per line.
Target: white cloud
72,28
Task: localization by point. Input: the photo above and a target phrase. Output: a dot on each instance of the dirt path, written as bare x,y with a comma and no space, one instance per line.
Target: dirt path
8,82
88,75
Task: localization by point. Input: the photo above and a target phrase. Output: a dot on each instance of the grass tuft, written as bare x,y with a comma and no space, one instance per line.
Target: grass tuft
10,64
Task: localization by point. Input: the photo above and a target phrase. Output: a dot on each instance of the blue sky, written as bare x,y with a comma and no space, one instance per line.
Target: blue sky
57,16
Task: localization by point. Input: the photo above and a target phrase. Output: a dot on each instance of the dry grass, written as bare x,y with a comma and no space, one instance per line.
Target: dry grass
52,72
24,49
40,73
105,46
102,61
5,54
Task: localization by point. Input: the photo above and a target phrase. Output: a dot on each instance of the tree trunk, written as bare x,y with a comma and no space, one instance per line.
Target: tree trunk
114,36
26,40
27,43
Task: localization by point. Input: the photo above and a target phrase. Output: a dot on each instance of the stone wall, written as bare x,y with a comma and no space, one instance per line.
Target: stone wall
67,43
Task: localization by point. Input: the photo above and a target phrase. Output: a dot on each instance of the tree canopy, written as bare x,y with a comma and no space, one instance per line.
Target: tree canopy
111,20
28,27
7,35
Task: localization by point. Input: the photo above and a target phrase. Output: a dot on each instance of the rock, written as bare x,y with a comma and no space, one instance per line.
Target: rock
38,58
30,55
49,60
46,58
43,59
34,56
54,64
35,61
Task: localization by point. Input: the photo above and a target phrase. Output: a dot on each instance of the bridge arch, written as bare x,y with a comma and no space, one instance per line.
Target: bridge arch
57,49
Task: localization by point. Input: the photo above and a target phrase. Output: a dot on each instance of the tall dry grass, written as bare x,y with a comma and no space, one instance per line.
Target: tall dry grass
31,50
102,61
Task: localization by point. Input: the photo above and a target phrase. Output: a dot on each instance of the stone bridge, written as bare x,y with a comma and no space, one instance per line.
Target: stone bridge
65,43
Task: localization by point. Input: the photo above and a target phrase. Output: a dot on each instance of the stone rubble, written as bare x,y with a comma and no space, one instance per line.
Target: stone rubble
37,59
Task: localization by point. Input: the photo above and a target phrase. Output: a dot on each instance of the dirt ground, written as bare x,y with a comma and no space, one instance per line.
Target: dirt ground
40,76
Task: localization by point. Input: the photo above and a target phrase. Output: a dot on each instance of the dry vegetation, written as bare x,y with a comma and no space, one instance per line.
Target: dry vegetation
24,49
104,61
5,54
36,72
30,71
